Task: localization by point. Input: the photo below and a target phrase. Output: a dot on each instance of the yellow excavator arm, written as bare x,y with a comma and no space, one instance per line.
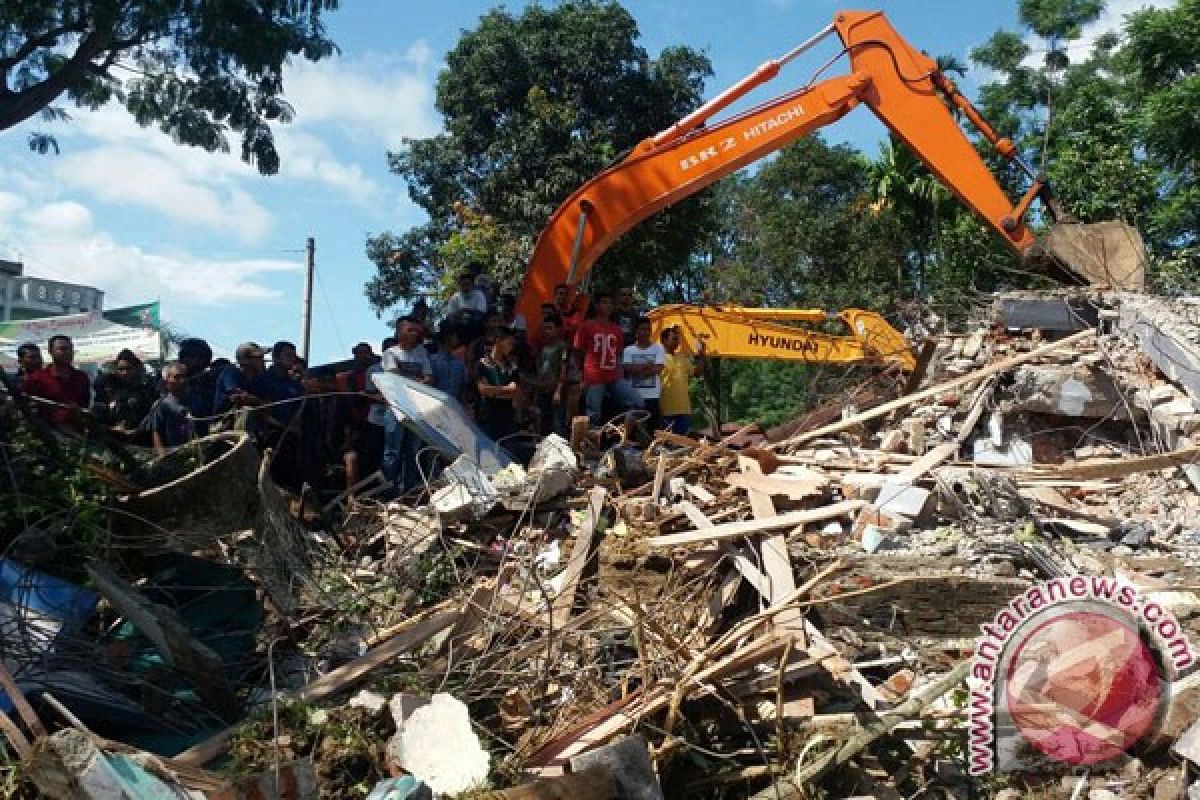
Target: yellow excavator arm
738,332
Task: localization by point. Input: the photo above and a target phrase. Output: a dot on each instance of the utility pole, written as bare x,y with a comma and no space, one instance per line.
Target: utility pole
310,265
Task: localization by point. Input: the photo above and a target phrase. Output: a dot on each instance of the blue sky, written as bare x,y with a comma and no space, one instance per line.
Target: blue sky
125,209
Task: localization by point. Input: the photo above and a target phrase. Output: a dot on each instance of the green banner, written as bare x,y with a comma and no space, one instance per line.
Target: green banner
97,336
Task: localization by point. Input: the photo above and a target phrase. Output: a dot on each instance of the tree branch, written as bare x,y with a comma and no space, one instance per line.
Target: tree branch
47,39
16,107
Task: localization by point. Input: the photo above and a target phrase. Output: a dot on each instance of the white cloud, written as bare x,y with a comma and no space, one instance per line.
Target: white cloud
67,219
10,203
121,174
306,157
377,98
60,241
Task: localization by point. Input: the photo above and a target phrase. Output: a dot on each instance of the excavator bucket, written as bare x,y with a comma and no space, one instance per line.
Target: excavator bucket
1100,253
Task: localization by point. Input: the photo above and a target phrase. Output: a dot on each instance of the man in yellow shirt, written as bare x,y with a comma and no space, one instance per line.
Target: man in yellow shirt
675,404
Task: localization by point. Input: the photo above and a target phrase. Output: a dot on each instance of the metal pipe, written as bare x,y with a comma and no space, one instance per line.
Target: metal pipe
766,71
584,208
310,250
807,45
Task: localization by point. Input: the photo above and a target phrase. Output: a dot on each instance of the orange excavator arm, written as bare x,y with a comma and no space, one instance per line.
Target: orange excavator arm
899,84
735,332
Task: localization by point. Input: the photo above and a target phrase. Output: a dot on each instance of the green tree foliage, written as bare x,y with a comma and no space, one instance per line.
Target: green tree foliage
1162,59
806,232
534,105
1114,128
197,70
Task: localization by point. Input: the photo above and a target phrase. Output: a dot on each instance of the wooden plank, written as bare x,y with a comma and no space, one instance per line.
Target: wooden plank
694,514
1054,500
610,722
174,642
934,458
700,493
965,380
774,486
708,554
581,553
1100,469
775,559
15,696
660,471
729,530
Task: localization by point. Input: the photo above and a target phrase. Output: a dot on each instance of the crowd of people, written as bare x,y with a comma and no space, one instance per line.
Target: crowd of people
592,355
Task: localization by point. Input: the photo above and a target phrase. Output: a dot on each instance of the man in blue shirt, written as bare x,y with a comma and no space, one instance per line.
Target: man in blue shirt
278,387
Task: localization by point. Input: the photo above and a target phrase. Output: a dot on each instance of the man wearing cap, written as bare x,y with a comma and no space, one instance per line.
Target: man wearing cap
236,383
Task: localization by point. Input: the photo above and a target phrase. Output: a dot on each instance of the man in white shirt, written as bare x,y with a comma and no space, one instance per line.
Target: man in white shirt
643,362
465,310
410,359
466,300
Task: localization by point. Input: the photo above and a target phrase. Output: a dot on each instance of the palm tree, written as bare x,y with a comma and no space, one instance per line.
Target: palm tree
902,183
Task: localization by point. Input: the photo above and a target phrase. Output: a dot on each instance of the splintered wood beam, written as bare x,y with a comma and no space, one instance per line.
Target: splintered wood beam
729,530
581,553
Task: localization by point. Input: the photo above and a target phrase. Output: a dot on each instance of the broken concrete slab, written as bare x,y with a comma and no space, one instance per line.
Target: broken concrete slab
1070,390
902,498
1165,338
437,745
1047,314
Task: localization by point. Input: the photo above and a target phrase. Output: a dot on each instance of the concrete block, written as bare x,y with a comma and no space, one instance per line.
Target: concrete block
893,441
896,497
437,745
1016,452
1174,355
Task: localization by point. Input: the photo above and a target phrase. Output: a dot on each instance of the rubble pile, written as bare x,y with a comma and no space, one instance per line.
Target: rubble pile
756,614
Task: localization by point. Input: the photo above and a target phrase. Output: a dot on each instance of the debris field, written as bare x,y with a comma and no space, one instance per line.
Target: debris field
759,613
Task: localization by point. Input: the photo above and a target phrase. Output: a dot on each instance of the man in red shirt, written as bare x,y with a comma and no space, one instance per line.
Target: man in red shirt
62,383
599,342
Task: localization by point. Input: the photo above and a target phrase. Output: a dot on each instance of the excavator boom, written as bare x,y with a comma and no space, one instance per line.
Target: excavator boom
735,332
902,86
